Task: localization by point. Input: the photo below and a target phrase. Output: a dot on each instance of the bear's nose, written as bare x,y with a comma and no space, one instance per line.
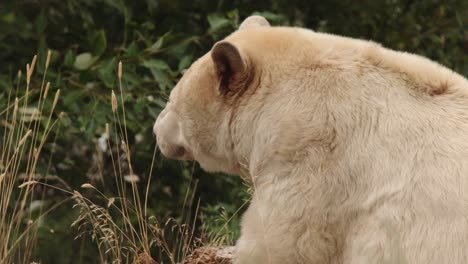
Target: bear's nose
169,136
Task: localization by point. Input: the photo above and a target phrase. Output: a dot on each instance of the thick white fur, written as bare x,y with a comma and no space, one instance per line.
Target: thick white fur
358,154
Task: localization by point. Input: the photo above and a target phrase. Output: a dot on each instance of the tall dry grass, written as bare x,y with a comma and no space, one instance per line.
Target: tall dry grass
23,138
121,226
119,223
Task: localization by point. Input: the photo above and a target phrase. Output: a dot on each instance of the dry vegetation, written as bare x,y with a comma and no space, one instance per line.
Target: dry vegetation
22,141
120,225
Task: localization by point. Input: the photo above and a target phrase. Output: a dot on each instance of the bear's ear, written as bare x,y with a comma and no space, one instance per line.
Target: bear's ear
230,65
253,22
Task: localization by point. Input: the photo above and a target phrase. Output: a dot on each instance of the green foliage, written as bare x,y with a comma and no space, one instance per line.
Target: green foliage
156,41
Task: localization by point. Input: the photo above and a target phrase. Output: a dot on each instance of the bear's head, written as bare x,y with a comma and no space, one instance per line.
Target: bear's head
231,100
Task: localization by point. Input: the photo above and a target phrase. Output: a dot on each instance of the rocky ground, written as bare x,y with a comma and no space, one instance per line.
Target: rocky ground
203,255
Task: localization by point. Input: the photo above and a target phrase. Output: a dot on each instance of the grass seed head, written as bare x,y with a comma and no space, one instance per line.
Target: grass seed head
49,54
57,95
87,186
120,70
114,102
24,184
30,69
46,91
33,64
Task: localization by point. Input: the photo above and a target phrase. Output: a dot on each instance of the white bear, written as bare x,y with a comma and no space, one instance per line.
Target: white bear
357,154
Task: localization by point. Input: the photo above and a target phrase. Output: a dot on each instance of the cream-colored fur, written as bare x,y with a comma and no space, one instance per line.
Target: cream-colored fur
357,154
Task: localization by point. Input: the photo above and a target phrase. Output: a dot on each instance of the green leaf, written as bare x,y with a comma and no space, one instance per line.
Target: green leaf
272,17
160,71
233,14
179,49
99,43
217,22
41,22
106,72
139,104
131,78
160,102
73,96
154,63
159,43
91,128
66,121
185,62
163,78
69,58
83,61
459,19
41,55
9,18
132,50
148,25
120,6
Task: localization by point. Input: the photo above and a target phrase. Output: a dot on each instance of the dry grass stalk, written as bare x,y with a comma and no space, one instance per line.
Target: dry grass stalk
139,236
19,155
118,241
114,102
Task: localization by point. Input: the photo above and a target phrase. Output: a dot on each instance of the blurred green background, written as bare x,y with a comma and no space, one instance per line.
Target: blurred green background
156,41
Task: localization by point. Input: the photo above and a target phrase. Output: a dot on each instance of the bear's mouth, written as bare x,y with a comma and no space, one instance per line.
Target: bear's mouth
179,151
176,152
182,153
